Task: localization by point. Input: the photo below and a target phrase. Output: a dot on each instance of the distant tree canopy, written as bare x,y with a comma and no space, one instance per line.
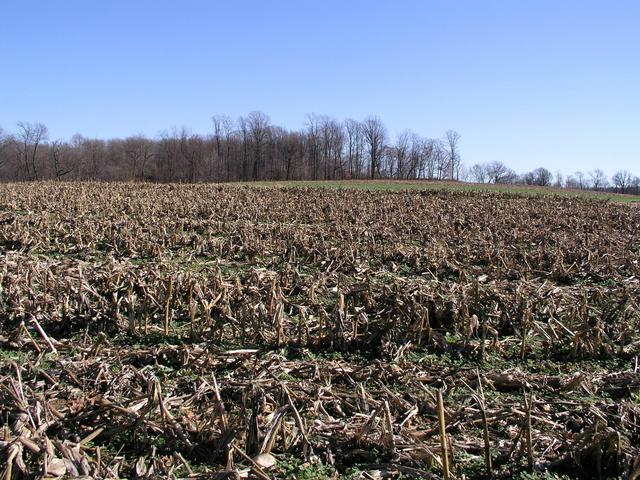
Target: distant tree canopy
249,148
252,148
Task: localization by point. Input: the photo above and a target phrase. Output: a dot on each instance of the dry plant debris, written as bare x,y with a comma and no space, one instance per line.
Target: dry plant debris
205,331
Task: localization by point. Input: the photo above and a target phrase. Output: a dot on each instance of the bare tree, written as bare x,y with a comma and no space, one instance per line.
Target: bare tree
61,157
413,156
243,128
93,154
542,177
571,182
191,149
497,172
622,180
354,147
222,130
598,179
30,136
478,173
393,160
581,180
453,154
429,155
440,160
169,153
292,151
230,138
402,152
337,139
138,151
4,146
331,137
374,134
258,125
313,144
559,179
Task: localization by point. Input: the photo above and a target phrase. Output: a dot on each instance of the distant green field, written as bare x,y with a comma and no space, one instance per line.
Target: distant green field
453,186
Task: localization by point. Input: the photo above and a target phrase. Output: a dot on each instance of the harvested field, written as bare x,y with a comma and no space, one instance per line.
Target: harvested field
455,186
205,331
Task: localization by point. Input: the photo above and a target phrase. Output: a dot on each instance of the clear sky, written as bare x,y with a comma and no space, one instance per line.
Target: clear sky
528,82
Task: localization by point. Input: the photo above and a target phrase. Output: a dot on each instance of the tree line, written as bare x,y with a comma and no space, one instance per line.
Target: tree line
497,172
246,149
253,148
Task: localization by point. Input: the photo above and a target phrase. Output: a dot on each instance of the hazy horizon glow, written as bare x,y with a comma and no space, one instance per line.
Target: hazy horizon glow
531,83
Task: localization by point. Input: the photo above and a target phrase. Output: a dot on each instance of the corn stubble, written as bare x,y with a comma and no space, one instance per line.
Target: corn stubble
203,331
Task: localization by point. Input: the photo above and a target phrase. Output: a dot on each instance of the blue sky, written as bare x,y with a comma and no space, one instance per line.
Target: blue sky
530,83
